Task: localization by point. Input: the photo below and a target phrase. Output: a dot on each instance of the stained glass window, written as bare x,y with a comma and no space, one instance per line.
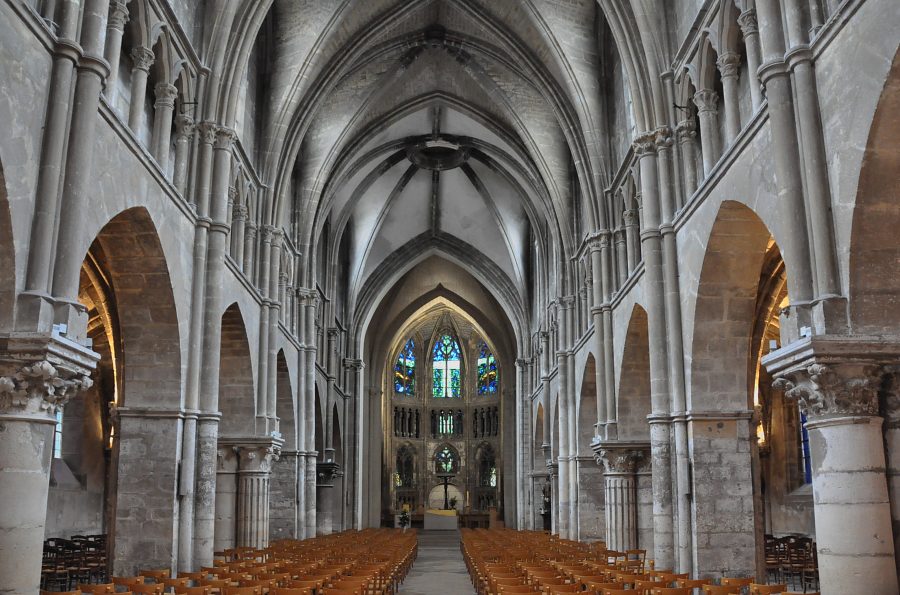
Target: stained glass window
445,460
487,371
57,435
446,380
405,370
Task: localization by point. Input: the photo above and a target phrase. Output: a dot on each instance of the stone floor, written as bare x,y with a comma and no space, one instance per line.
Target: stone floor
439,567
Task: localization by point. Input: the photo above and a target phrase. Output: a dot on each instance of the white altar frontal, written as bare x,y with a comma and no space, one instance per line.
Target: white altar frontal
441,520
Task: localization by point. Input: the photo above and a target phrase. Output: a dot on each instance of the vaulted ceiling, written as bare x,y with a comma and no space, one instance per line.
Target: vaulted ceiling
394,126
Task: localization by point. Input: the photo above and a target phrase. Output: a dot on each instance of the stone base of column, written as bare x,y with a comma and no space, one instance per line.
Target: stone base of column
283,497
722,494
146,521
591,500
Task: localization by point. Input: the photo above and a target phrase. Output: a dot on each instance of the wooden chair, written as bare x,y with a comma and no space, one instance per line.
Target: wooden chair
97,589
152,589
171,583
721,590
617,592
736,581
569,588
202,590
127,581
767,589
250,590
516,589
60,592
692,584
671,591
290,591
157,575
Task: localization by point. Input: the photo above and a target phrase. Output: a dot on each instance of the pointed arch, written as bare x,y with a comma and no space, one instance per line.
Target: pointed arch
237,395
447,366
587,406
285,403
634,379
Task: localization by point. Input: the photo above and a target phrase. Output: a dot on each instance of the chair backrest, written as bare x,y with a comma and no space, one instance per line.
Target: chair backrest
766,589
127,581
251,590
95,589
291,591
721,590
60,592
693,584
158,575
617,592
736,581
671,591
203,590
154,589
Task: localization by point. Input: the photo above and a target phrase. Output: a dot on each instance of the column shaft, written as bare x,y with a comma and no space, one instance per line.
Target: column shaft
143,60
707,102
162,124
118,17
750,31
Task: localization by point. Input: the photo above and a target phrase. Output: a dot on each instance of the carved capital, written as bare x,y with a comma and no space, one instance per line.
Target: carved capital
353,364
165,95
645,144
686,130
729,64
225,138
184,127
833,390
566,302
619,460
662,136
598,240
142,58
207,132
630,217
747,23
707,101
232,195
118,15
39,387
258,458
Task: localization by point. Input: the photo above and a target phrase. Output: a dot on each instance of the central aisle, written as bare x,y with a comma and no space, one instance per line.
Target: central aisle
439,567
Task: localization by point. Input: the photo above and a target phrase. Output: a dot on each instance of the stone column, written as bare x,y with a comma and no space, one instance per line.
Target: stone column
37,377
310,306
262,379
162,124
115,27
750,31
620,461
729,64
788,168
226,497
143,59
273,305
687,132
597,317
632,238
563,400
249,241
326,473
208,421
660,423
707,102
644,490
591,500
255,464
184,130
621,256
330,396
34,310
852,509
890,410
77,188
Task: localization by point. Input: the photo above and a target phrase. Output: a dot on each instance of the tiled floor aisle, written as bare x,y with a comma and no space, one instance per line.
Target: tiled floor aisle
439,568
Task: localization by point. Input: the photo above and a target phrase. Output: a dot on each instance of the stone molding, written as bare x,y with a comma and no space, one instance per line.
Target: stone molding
184,127
118,15
224,138
206,131
747,22
645,144
833,390
353,364
663,138
254,454
686,131
165,95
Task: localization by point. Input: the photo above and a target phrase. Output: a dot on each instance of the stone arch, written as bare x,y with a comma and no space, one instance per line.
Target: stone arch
284,403
7,259
128,251
319,425
633,402
237,396
587,406
725,310
874,283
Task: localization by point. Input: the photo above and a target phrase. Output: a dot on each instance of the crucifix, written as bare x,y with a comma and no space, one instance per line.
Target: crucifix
446,477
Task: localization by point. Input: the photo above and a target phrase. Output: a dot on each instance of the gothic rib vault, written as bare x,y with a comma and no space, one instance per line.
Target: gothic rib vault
670,224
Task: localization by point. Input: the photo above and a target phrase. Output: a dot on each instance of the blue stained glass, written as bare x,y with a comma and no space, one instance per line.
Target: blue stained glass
487,371
438,390
405,370
446,357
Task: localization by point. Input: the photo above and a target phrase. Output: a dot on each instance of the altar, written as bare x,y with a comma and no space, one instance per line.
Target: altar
441,520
